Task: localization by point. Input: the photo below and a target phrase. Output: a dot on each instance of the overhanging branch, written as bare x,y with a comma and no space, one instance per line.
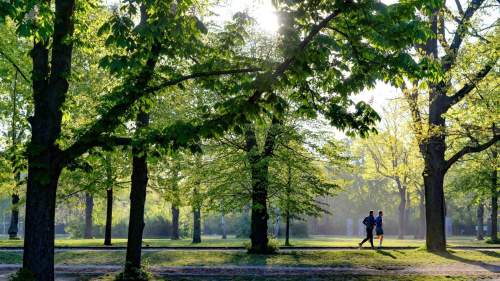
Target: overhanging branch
18,69
468,87
471,149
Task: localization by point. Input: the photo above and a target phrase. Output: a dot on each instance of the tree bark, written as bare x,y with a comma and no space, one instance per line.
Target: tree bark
50,86
175,223
480,221
494,200
137,201
109,200
89,209
435,211
223,226
259,175
14,218
196,225
401,210
421,220
109,217
287,229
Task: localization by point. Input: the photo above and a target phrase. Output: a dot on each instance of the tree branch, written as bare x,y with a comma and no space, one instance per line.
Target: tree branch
471,149
110,119
468,87
461,31
459,7
18,69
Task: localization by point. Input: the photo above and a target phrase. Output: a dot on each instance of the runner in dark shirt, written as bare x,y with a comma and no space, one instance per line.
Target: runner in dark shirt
369,222
378,228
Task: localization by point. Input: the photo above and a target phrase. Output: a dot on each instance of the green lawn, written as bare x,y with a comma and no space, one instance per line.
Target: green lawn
231,241
296,258
313,278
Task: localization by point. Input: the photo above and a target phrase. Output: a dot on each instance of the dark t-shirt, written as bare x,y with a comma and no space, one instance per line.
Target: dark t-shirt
369,222
378,222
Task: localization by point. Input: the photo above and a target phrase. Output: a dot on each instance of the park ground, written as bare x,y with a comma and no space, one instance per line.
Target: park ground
231,241
480,263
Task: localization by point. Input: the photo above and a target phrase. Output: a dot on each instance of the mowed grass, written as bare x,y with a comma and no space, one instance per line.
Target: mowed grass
208,241
296,258
317,278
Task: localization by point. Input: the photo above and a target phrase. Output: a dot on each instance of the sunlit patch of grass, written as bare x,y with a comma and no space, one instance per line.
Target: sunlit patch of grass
294,258
315,278
207,241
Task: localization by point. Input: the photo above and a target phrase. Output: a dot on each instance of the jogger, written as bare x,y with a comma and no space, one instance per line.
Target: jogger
369,222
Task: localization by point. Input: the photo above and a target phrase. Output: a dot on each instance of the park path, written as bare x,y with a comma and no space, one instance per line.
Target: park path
67,272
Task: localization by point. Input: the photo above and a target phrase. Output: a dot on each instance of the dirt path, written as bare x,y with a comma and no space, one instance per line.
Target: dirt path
460,269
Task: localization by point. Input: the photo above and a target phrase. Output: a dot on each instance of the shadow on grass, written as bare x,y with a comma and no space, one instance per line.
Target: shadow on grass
450,255
491,253
386,253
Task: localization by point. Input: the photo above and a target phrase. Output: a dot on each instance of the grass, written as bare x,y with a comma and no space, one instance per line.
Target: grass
296,258
318,278
313,241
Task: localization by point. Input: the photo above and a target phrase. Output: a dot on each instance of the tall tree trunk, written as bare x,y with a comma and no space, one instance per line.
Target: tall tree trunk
14,218
276,230
480,221
109,217
420,233
109,200
196,225
38,256
401,210
137,202
494,198
89,209
259,175
223,226
50,86
175,223
435,211
287,228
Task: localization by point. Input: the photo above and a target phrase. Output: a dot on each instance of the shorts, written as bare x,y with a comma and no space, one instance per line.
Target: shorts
379,231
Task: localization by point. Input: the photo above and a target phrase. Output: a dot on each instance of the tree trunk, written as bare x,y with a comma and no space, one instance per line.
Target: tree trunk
14,218
276,230
421,220
259,175
401,210
480,221
50,86
109,200
494,201
137,202
287,229
38,255
109,217
175,223
196,225
434,211
223,226
89,209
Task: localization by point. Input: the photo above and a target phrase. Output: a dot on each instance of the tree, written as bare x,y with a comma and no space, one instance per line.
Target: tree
446,92
391,156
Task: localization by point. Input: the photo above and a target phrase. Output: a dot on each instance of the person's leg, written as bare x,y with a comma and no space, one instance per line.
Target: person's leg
364,240
371,238
381,238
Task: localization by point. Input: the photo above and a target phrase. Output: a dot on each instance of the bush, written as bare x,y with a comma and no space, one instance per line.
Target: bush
272,247
133,274
154,227
22,275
